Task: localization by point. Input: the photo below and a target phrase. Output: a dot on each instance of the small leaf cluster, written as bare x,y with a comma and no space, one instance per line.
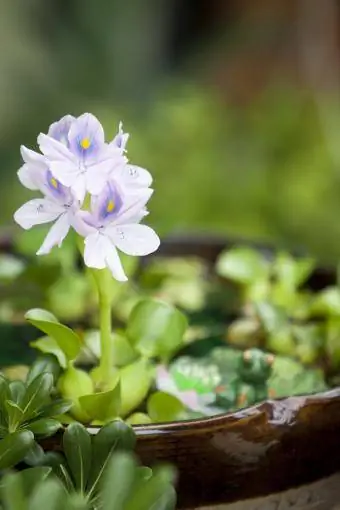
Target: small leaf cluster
154,332
97,472
28,411
279,312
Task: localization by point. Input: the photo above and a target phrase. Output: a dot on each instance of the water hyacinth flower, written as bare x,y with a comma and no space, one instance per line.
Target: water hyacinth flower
84,162
58,203
76,161
114,223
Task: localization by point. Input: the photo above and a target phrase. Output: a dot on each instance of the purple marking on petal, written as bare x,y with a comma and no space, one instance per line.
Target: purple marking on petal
54,186
86,137
110,203
59,130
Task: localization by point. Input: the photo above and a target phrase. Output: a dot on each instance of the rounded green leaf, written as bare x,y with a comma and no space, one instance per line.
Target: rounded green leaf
138,419
44,427
49,345
78,451
156,328
135,382
291,272
75,383
163,407
243,265
327,302
102,406
68,341
14,447
69,296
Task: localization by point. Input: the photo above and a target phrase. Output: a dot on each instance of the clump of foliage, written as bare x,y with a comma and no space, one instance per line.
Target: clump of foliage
278,310
29,411
94,472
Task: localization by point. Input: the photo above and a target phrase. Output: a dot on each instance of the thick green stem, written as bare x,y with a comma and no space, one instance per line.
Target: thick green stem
103,280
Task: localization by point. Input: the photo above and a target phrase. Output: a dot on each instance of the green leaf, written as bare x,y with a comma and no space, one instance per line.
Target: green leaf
156,328
14,447
327,302
78,452
69,296
309,340
12,492
17,391
76,501
156,493
114,436
163,407
32,477
37,395
49,345
43,364
15,413
135,382
138,419
44,427
291,272
333,341
118,481
68,341
102,406
243,265
272,318
75,383
56,408
50,495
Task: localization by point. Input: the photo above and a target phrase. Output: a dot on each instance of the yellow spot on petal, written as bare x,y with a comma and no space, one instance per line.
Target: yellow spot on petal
110,206
85,143
54,182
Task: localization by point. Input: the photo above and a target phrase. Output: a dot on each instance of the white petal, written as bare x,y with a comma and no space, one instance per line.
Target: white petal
80,226
32,157
60,129
115,265
56,235
133,176
29,176
53,149
65,171
79,188
100,253
137,240
133,205
37,212
96,246
97,177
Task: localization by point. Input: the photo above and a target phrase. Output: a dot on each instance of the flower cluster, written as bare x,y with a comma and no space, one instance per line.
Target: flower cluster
89,185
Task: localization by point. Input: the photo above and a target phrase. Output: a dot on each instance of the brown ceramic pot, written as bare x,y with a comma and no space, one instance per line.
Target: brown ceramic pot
278,455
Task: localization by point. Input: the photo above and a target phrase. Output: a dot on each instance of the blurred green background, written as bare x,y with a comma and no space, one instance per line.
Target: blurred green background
233,105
